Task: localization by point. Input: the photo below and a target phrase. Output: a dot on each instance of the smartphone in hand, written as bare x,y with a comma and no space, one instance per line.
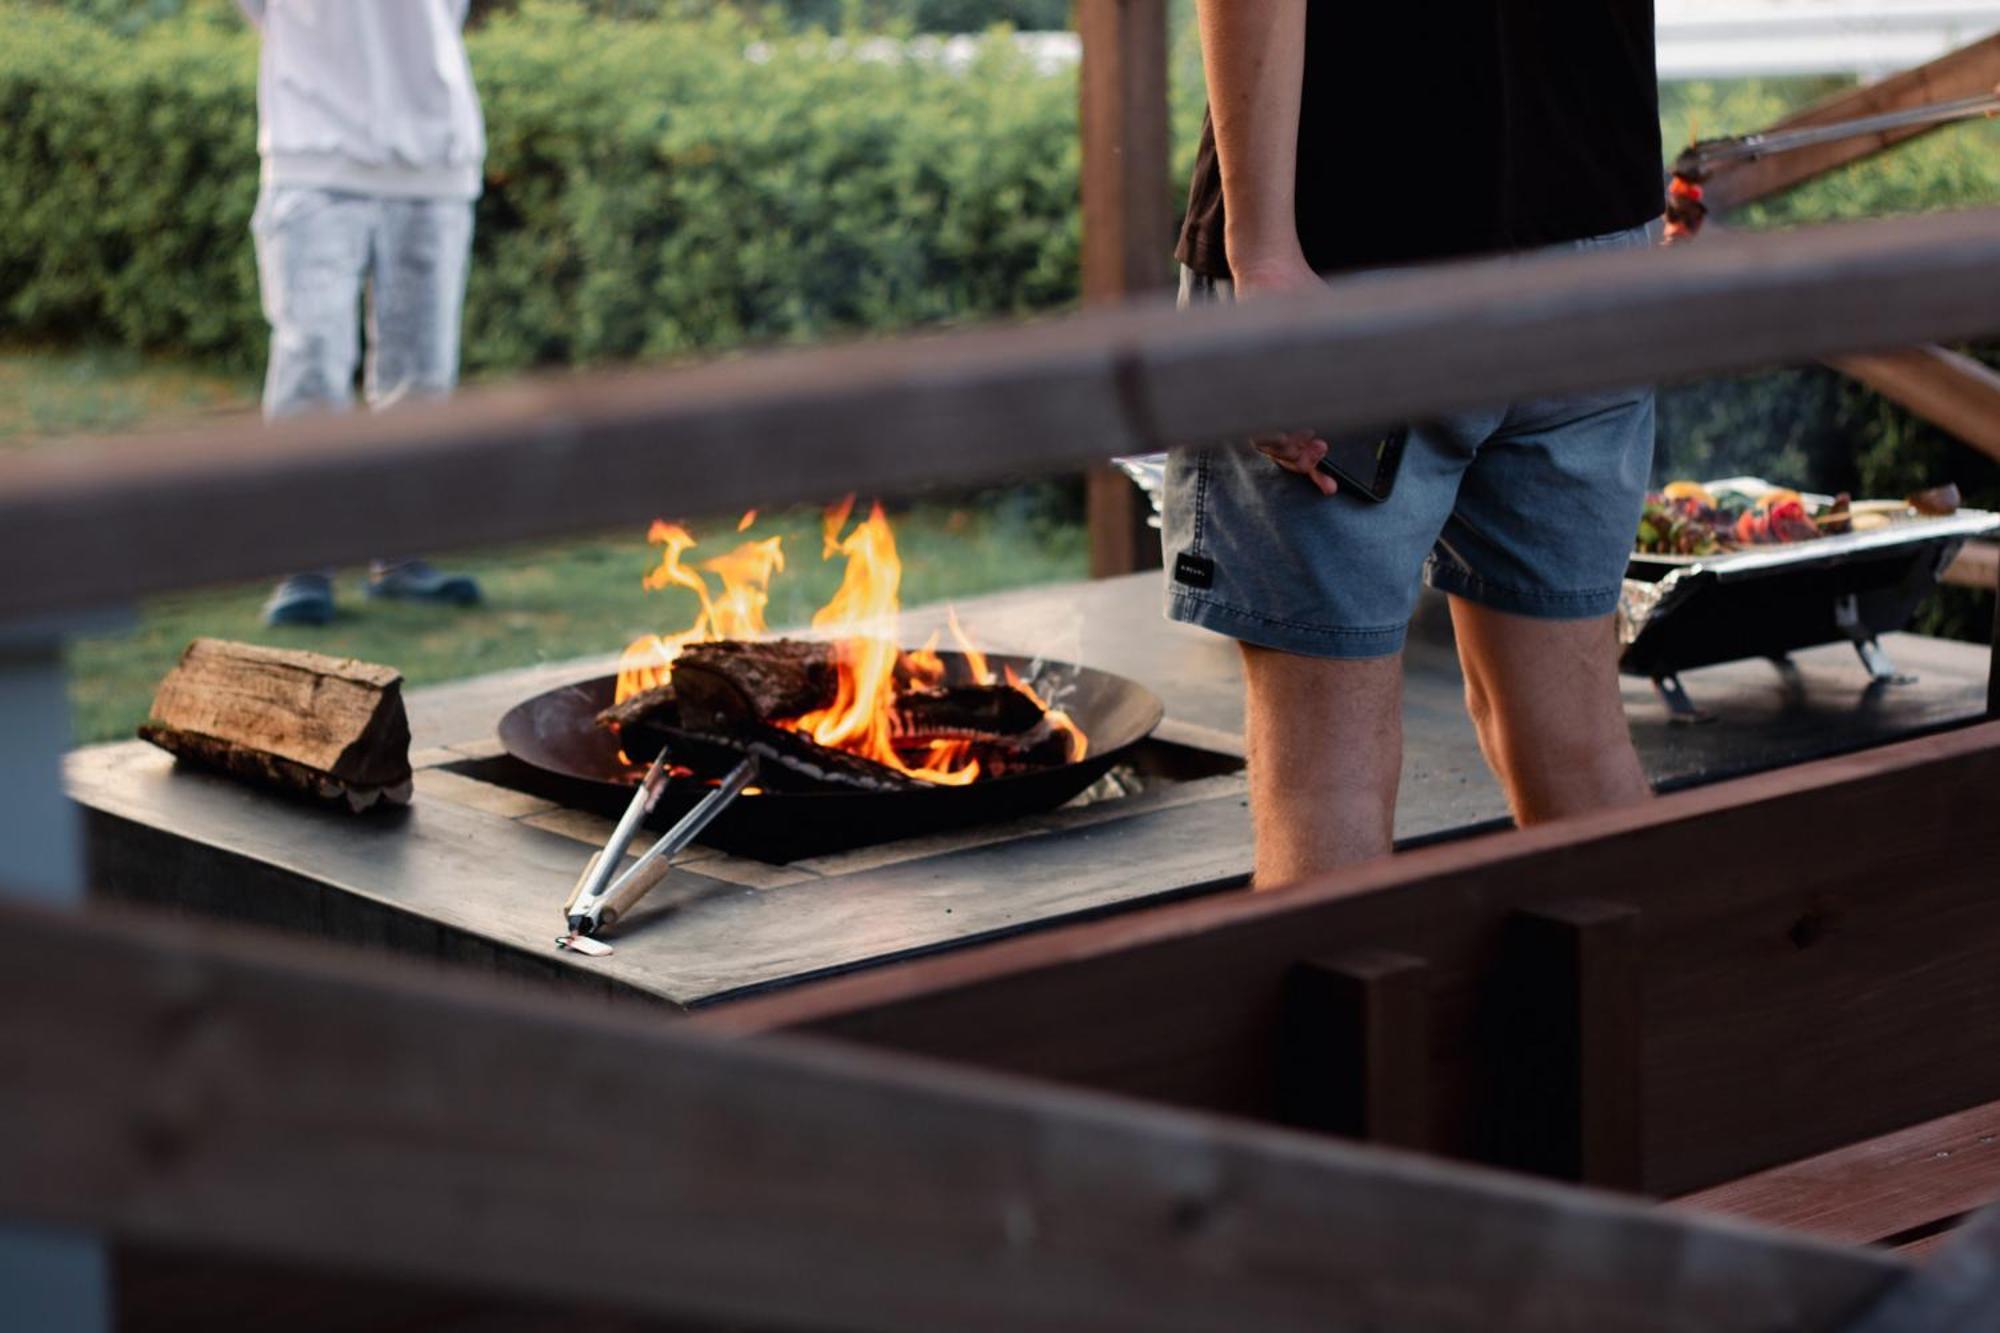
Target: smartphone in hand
1366,465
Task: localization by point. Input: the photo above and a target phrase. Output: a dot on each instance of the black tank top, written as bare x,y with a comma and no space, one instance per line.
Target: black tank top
1433,128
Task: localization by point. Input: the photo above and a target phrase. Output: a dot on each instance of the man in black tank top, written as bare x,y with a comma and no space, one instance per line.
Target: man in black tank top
1454,127
1345,135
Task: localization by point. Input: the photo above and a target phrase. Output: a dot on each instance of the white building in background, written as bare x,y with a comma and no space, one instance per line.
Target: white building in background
1719,39
1699,39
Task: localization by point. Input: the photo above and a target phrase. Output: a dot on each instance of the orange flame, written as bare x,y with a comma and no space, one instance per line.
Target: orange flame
860,719
1079,744
745,574
863,614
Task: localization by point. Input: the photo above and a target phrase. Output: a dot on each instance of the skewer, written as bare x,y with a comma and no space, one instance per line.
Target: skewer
588,916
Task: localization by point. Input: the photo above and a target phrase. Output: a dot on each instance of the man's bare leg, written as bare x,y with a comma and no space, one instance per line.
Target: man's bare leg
1325,744
1544,697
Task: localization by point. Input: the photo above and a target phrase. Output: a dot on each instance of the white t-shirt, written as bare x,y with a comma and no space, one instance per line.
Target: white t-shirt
372,96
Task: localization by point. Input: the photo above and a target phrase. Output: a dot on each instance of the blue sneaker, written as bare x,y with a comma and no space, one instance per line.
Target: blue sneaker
302,599
417,581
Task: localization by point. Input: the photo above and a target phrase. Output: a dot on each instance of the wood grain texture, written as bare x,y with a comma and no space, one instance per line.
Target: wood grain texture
1816,946
322,727
341,717
1877,1190
1949,389
1128,220
221,1093
1127,223
97,523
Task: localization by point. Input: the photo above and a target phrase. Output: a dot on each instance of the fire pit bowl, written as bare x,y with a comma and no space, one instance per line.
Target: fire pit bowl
573,760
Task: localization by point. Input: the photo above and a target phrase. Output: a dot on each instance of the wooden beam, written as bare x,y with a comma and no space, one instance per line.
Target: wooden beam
1571,1044
1128,241
1907,1183
1977,566
217,1092
1127,223
1355,1051
1949,389
1966,72
93,523
1827,980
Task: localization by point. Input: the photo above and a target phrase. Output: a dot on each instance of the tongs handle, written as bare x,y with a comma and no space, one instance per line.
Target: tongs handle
652,867
597,873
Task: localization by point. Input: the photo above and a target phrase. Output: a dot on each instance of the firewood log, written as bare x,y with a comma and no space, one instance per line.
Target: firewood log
762,682
324,727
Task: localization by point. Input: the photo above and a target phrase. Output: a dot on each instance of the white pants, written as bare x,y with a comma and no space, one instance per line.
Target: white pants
316,252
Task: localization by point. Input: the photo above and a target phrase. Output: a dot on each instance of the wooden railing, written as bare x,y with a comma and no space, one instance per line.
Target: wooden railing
91,524
189,1087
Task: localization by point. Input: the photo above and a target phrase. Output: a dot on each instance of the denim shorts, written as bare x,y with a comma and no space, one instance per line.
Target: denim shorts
1528,508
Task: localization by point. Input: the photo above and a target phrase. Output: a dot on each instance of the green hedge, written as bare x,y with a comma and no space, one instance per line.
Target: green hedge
650,189
130,16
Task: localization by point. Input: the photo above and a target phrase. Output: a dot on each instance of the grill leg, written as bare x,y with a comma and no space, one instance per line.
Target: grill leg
1680,708
1881,671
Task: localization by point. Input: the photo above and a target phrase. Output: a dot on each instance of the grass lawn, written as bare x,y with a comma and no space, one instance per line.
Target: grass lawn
46,395
543,603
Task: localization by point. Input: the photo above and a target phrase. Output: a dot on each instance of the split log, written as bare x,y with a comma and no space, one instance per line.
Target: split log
329,728
762,681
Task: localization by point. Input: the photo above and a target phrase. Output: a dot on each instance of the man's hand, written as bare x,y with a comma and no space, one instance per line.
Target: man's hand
1299,450
1253,53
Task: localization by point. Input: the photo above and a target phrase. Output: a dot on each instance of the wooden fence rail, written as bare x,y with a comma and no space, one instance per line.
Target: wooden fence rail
1656,998
89,525
187,1087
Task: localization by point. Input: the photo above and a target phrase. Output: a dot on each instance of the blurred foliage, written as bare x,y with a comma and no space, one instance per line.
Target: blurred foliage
652,188
128,17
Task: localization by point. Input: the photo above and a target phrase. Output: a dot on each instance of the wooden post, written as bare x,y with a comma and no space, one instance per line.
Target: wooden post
1569,1049
1356,1048
53,1279
1993,666
1127,223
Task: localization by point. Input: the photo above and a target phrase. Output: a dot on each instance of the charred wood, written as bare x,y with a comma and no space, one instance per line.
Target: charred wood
766,681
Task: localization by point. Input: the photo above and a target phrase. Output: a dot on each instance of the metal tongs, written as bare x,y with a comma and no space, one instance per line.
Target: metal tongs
599,900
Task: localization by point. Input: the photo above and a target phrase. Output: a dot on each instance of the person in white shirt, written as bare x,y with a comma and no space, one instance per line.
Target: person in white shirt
372,145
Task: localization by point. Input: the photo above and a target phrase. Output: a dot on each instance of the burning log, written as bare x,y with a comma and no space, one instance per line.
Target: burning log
323,727
1007,729
777,678
738,697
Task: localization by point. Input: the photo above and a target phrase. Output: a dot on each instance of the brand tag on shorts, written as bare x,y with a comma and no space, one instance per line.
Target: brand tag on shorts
1197,571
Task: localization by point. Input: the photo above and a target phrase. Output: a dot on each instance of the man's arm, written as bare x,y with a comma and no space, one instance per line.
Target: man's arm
1254,53
252,10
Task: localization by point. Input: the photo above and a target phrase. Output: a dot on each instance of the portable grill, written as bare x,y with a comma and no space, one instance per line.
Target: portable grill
577,762
1681,612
